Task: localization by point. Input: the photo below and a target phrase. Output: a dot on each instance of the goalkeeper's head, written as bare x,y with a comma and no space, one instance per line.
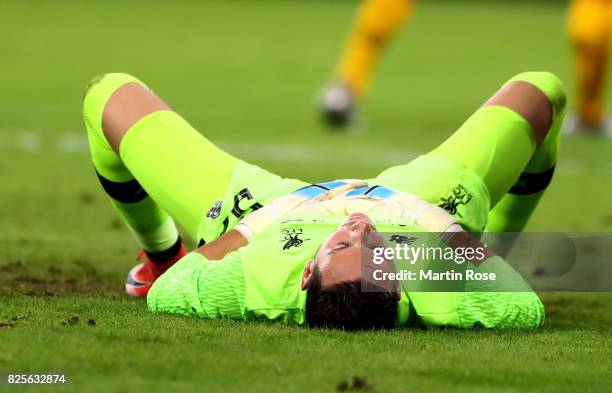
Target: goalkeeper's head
342,293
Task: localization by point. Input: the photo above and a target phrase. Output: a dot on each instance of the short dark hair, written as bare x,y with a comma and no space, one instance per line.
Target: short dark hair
346,306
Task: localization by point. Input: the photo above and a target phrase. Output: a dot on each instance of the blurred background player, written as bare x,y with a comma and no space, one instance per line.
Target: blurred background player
589,24
376,22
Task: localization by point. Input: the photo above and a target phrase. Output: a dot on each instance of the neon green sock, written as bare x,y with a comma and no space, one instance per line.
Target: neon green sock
513,211
153,228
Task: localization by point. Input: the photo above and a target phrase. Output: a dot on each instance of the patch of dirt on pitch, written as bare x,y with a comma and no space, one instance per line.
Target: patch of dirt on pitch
76,320
11,267
87,198
356,384
73,320
577,310
12,322
116,225
55,282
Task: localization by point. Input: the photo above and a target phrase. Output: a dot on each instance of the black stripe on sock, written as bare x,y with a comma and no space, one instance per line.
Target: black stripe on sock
530,183
125,192
164,256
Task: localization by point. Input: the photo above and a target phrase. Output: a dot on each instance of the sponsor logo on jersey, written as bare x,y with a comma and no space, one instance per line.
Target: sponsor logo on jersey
292,237
459,196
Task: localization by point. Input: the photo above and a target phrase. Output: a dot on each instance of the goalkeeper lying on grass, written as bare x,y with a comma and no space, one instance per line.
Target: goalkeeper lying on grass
281,249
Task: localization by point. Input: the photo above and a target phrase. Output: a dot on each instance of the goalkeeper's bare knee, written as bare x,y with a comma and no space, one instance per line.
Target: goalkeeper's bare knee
539,97
114,102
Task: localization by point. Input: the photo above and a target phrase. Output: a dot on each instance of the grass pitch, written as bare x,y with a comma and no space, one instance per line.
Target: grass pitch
245,73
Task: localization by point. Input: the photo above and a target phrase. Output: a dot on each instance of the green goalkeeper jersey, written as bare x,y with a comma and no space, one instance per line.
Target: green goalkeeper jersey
262,281
259,281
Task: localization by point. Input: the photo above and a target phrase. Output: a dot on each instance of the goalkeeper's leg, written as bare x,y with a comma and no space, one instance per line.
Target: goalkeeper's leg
150,173
513,133
511,143
514,209
155,166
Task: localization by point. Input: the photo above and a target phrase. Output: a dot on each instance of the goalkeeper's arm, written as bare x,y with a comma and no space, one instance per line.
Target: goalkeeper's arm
220,247
507,302
205,283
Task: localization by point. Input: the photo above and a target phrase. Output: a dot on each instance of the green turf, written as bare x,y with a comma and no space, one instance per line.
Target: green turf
246,73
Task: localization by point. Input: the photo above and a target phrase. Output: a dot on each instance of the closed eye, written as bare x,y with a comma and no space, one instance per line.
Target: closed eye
341,246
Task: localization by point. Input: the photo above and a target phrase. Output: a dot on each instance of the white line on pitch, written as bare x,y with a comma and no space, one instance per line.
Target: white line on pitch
67,143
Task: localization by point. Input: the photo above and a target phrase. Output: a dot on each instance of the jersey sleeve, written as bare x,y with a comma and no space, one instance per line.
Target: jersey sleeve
508,302
501,310
195,286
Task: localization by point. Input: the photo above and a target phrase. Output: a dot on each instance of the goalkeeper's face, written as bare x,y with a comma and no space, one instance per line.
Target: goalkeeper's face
348,255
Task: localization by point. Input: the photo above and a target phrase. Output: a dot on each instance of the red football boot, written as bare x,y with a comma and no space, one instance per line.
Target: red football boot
142,276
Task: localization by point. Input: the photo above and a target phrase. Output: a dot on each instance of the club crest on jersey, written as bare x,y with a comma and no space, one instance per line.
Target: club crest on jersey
459,196
292,237
215,211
